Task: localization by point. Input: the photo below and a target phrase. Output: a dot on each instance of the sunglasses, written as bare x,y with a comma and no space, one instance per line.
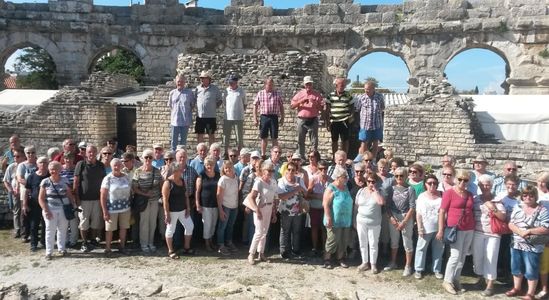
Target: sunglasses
463,180
359,171
399,176
511,169
30,152
321,169
125,161
72,144
16,156
447,174
233,155
270,171
148,157
413,172
431,183
291,170
367,160
168,159
106,153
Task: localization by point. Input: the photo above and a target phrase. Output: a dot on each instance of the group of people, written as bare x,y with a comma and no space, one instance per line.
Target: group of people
367,205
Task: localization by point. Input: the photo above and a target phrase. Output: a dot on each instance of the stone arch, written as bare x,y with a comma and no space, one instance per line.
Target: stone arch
492,49
98,53
18,41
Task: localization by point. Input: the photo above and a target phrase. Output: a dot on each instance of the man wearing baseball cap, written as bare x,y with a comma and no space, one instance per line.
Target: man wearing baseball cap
208,99
309,105
235,106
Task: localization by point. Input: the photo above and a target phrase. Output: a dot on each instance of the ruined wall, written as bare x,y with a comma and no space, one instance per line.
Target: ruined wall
287,69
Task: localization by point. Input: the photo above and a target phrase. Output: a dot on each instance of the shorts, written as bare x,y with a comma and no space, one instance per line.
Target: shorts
544,264
316,215
91,215
268,124
121,220
340,130
370,135
205,125
525,263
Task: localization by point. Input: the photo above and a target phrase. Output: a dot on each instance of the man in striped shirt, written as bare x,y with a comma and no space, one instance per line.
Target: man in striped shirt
371,106
270,105
339,105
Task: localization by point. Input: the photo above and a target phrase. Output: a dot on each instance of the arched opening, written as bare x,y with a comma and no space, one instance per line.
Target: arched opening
478,71
28,66
118,60
386,68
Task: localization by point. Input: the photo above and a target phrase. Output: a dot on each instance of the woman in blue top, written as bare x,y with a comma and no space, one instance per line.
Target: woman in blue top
338,216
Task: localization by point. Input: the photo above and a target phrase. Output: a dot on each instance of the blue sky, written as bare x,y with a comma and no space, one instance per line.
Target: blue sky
471,68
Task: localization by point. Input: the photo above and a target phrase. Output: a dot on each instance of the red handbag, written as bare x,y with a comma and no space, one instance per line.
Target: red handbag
498,226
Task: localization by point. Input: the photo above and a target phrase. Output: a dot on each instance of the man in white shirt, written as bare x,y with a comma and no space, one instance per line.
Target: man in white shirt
235,107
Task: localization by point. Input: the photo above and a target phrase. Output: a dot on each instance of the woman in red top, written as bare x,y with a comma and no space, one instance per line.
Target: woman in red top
457,210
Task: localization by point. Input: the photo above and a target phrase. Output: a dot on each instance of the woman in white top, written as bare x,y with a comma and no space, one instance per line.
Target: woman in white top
428,205
264,206
448,179
227,205
368,205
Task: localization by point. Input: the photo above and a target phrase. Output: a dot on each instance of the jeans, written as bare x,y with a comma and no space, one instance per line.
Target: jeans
290,233
525,263
179,136
458,252
225,228
485,255
304,126
437,249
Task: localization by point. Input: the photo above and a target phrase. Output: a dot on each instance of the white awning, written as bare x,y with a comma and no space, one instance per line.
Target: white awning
19,100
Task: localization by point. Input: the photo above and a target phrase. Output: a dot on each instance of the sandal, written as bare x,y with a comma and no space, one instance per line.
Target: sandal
528,297
188,251
173,255
512,292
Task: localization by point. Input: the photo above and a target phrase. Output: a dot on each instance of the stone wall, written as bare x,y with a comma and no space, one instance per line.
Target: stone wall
287,69
103,84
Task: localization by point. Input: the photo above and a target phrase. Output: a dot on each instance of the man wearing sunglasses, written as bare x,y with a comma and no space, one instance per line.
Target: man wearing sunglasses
69,146
499,190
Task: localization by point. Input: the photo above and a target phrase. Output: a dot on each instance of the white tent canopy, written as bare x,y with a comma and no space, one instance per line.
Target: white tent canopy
19,100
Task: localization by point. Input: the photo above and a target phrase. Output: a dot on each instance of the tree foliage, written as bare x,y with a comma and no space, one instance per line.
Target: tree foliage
121,61
39,68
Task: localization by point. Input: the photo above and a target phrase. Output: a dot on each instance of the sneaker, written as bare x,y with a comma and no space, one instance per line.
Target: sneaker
541,294
48,257
417,275
25,239
327,265
439,275
224,251
449,287
375,270
85,248
95,242
407,271
390,267
152,248
145,249
363,267
251,259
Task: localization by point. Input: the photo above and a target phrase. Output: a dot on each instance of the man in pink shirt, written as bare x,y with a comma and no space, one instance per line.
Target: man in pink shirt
309,105
269,103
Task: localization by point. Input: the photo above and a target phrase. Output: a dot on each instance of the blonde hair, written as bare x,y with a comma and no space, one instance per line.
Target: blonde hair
226,163
461,173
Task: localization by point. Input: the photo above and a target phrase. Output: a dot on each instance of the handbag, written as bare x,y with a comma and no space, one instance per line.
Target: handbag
498,226
140,202
537,239
450,232
68,209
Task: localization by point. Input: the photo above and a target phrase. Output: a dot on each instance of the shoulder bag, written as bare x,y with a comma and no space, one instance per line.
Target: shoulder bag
68,209
537,239
450,232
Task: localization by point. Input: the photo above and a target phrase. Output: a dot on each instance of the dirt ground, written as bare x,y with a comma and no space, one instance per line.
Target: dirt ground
26,275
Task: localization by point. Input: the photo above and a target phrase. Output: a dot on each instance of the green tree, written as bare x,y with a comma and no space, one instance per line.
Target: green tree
372,79
121,62
476,90
39,68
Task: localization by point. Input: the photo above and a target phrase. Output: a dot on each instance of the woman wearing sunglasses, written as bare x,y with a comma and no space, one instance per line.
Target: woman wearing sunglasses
457,210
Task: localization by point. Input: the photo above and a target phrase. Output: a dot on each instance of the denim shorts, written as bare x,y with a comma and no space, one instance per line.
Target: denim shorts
525,263
370,135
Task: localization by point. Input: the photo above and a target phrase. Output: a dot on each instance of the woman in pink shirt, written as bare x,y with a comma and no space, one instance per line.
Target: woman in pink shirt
457,210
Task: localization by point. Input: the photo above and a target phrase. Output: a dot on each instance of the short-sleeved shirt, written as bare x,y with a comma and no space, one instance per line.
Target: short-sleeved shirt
198,164
508,202
69,174
181,103
482,216
266,191
269,102
230,191
522,221
401,199
340,106
9,155
500,188
25,169
289,206
454,204
147,182
207,99
238,168
235,101
33,186
311,108
208,191
418,186
90,177
119,189
318,187
342,208
369,211
9,176
428,209
189,176
56,192
371,111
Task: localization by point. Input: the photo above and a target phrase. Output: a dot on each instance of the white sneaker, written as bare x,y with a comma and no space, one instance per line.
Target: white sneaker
390,267
439,275
407,271
152,248
417,275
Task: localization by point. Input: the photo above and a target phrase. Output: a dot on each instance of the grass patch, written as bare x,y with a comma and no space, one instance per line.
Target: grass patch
10,269
10,246
544,53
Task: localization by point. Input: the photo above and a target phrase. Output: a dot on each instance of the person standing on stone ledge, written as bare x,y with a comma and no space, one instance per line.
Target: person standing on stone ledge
309,105
339,106
235,107
8,157
208,99
371,106
270,104
181,102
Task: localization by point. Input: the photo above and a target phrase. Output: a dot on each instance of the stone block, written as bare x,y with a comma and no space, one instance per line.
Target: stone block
478,13
247,3
452,14
336,1
472,25
327,9
532,10
388,17
373,17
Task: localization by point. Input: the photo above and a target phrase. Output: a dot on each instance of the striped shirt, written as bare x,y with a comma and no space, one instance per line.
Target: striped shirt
269,102
340,106
371,111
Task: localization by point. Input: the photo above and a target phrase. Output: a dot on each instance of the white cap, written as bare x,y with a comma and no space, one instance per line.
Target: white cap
307,79
255,154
